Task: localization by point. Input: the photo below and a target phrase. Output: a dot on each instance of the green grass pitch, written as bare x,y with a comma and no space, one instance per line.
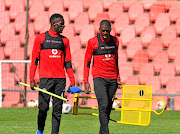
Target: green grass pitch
24,121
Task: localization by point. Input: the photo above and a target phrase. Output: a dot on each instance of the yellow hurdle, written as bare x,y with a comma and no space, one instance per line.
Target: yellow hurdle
136,105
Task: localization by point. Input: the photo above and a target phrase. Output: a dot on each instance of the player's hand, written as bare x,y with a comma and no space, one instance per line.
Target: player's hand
119,85
87,88
33,84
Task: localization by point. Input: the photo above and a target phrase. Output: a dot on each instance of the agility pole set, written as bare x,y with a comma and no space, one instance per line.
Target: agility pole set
136,105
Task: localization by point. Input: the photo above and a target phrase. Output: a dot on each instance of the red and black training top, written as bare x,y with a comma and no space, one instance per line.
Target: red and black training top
53,53
105,58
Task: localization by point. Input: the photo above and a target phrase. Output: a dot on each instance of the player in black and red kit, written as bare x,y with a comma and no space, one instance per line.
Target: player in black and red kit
52,51
105,71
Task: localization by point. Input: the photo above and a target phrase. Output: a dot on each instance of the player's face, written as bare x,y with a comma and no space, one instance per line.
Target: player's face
105,31
58,25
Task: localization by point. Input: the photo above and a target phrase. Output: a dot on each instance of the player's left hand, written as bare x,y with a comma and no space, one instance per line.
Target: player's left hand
119,84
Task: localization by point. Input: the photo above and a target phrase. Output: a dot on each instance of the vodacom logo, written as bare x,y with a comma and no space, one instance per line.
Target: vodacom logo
54,52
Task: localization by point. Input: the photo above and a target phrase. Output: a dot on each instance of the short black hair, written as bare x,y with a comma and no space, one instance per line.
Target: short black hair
105,23
54,16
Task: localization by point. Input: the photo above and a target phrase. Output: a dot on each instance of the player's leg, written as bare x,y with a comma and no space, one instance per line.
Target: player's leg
57,105
43,102
100,87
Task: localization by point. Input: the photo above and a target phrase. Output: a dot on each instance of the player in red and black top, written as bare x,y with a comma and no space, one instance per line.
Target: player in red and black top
52,51
105,71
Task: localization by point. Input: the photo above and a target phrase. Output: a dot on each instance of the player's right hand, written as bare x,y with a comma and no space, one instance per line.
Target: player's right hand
33,84
87,88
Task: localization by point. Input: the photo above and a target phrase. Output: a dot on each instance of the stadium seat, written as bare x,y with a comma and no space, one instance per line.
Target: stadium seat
166,73
147,35
87,32
10,45
31,96
165,98
177,101
48,3
128,3
140,59
160,60
8,3
174,12
155,10
87,3
18,54
107,4
36,9
141,22
30,46
16,7
148,4
132,80
177,63
75,43
125,70
135,11
174,48
145,72
20,21
4,19
162,22
127,34
2,6
177,25
121,21
169,3
41,21
173,85
2,57
57,6
95,8
69,31
155,47
7,32
133,46
154,81
76,7
98,19
45,28
81,20
122,56
168,35
115,9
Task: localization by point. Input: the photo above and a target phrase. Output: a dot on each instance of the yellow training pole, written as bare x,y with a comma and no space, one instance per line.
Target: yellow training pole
44,91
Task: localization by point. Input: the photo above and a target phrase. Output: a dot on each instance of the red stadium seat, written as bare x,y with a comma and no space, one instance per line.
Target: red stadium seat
87,32
122,56
173,85
177,101
30,46
147,35
47,3
174,12
18,54
31,96
95,8
178,26
148,4
155,10
125,70
8,3
115,9
87,3
81,20
141,22
160,60
98,19
155,47
36,9
154,81
177,63
174,48
16,7
132,80
162,22
69,31
2,57
7,33
167,72
128,3
75,43
45,28
2,6
169,3
135,11
4,19
57,6
168,35
140,59
41,21
76,7
121,22
127,34
107,4
133,46
145,72
20,21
